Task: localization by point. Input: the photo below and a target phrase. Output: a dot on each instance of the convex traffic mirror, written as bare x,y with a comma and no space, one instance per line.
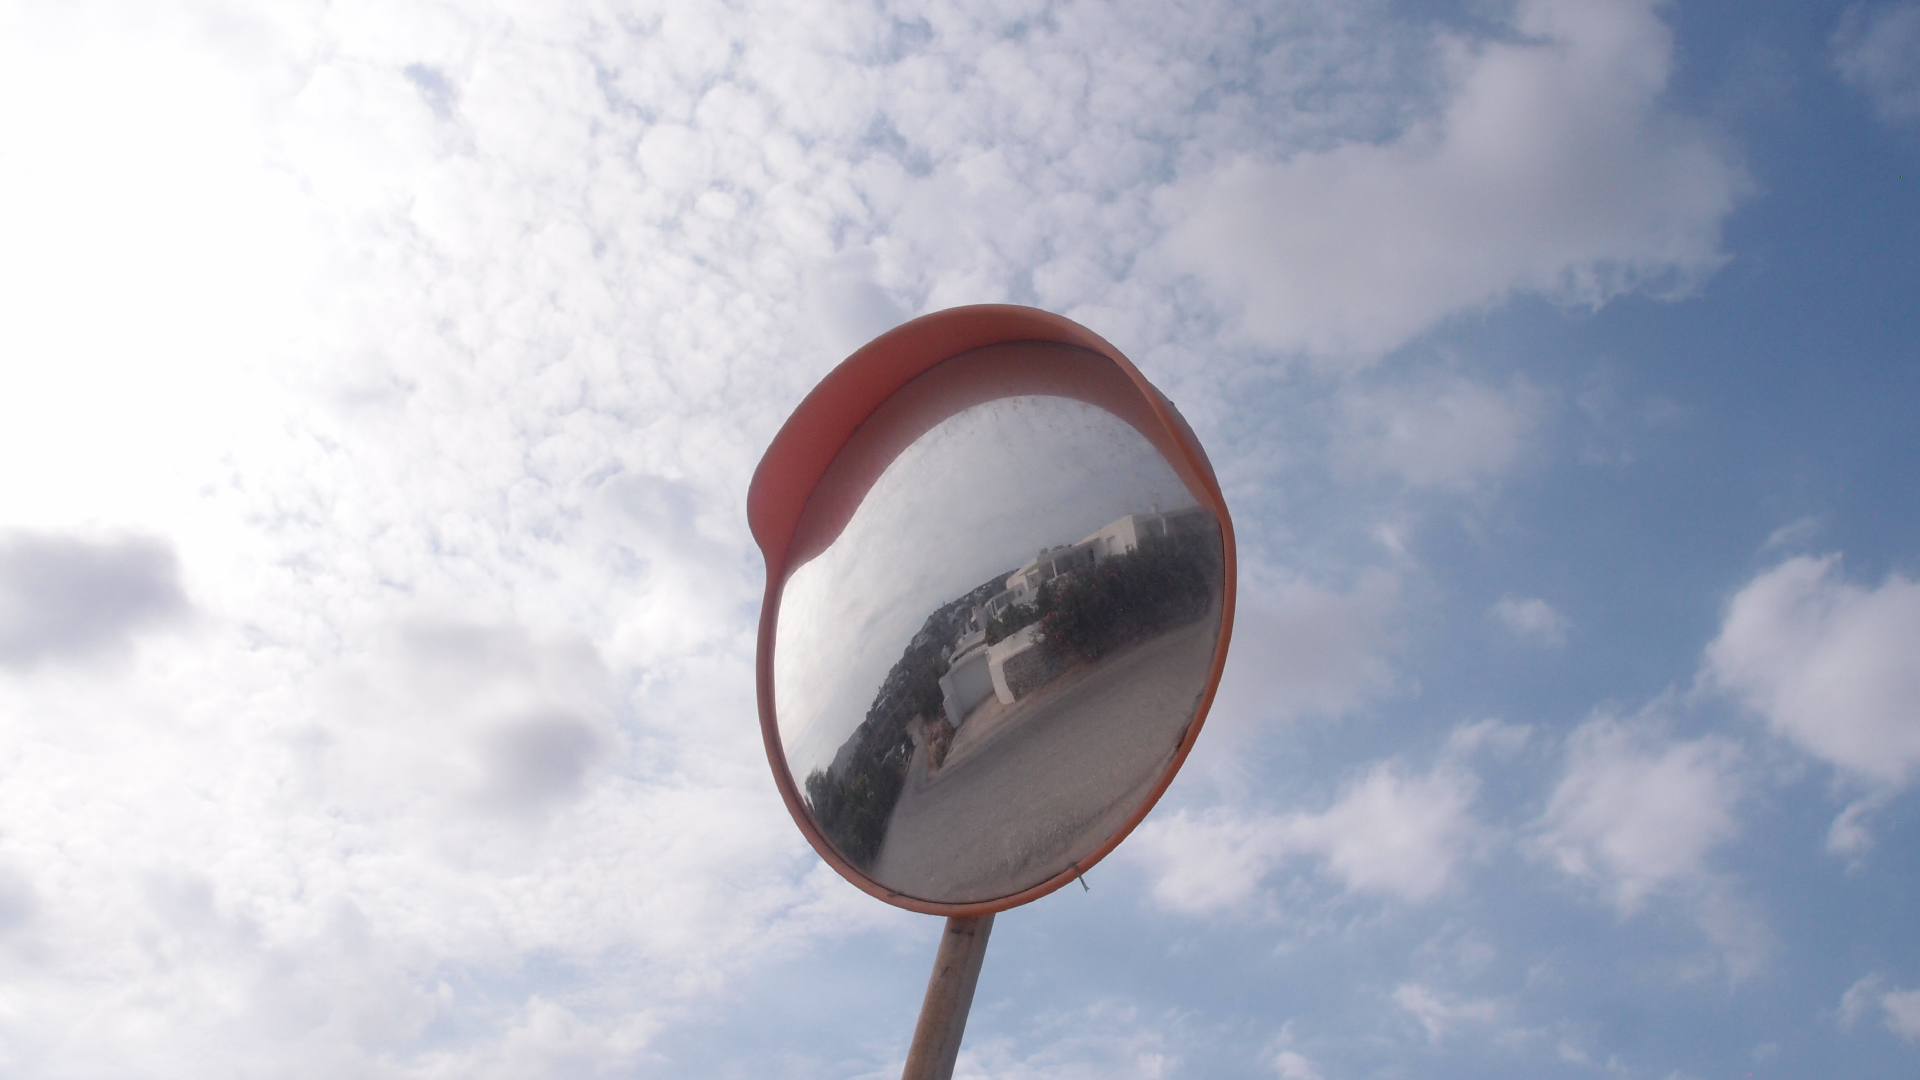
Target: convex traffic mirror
1000,590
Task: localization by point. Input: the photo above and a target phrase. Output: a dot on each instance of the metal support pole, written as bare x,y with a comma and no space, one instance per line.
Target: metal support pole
943,1016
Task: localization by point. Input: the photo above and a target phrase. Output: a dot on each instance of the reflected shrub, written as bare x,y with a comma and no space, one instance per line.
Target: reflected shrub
1089,613
1016,618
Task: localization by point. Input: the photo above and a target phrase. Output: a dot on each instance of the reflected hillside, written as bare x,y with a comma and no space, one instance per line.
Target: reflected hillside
852,799
1066,609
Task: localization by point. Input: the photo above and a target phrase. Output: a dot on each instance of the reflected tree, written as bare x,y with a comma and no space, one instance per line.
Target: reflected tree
853,799
1164,582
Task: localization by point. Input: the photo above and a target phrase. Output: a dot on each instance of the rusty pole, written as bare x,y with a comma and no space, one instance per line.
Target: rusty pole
943,1016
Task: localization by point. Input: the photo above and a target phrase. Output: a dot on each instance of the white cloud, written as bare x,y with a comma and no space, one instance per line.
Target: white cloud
1449,433
314,871
1394,835
1832,666
1553,169
1796,533
1439,1013
1288,1062
1292,1065
1208,861
848,306
1876,49
1637,813
1858,999
1742,941
1901,1008
1493,736
1849,835
548,1039
1387,834
1532,620
1303,649
1903,1013
155,262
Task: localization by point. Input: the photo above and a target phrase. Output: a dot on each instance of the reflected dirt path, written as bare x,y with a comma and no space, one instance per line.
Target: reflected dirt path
1047,778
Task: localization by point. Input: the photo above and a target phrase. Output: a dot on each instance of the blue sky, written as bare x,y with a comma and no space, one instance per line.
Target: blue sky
377,604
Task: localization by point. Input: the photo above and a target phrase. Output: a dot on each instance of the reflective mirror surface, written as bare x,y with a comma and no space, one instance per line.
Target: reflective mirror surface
993,664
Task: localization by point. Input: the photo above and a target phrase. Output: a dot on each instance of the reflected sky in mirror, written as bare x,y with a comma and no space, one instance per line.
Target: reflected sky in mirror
975,497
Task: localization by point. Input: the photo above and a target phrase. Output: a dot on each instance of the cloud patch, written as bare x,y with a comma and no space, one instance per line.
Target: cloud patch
1832,666
1388,834
1531,620
19,903
1449,433
1636,813
1439,1013
1876,50
541,760
65,598
1900,1009
1293,1065
1307,650
1288,1062
1553,169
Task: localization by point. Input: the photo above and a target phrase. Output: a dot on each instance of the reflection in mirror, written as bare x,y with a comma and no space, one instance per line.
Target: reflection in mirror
990,668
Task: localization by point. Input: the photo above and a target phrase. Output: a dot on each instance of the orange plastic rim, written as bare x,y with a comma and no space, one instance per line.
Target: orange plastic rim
802,458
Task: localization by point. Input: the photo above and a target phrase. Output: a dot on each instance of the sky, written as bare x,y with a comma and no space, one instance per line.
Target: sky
976,497
382,384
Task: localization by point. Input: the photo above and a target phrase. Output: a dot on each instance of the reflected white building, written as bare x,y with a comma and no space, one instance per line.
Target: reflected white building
977,669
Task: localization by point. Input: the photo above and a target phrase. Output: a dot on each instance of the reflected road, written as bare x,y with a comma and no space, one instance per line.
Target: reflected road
1063,768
